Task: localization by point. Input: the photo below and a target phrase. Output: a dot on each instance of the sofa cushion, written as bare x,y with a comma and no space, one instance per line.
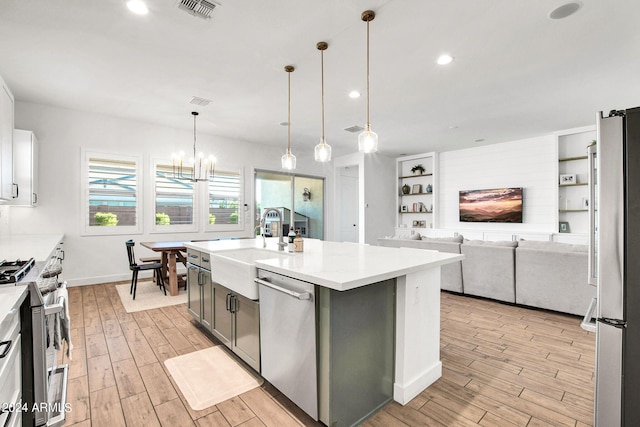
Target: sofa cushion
505,243
552,246
455,239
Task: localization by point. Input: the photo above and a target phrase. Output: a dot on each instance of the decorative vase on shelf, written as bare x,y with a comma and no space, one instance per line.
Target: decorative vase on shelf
429,188
405,189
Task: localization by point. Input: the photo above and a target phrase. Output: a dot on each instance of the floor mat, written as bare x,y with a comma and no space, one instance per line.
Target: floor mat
210,376
148,296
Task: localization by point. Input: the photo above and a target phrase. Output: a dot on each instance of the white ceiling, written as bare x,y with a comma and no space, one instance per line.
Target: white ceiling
516,72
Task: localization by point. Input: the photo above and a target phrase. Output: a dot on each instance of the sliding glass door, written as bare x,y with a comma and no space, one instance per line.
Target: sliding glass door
298,198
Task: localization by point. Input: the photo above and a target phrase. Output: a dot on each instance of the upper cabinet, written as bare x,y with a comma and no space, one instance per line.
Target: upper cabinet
6,142
25,167
417,190
573,180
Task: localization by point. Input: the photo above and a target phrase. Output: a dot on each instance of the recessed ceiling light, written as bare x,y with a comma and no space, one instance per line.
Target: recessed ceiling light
138,7
444,59
565,10
354,94
479,140
284,123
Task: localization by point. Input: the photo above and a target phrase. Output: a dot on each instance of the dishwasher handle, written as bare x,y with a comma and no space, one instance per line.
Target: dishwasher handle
298,295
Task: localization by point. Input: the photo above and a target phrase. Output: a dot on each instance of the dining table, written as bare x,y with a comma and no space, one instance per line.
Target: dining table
171,254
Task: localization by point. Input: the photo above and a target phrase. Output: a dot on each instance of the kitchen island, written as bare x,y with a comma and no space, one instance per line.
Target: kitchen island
362,276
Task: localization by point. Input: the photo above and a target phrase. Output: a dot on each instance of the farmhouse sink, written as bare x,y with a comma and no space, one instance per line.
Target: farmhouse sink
235,269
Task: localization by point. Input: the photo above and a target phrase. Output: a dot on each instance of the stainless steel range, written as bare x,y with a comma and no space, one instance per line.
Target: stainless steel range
14,271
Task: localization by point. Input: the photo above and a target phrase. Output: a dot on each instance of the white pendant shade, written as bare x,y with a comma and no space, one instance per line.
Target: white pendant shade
368,141
288,161
322,152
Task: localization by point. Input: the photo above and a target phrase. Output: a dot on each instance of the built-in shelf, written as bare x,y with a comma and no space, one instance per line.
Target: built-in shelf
574,210
574,185
411,212
415,176
570,159
417,194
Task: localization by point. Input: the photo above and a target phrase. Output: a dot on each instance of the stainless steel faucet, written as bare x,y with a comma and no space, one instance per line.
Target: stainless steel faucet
281,243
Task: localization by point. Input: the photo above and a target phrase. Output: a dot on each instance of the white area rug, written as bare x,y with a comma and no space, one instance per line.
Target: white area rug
148,296
210,376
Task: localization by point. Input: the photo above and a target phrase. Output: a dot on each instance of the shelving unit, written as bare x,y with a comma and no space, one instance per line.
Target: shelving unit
419,203
572,160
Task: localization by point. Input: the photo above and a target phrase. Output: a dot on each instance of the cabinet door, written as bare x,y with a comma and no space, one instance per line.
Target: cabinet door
6,142
194,296
246,334
207,299
25,167
221,326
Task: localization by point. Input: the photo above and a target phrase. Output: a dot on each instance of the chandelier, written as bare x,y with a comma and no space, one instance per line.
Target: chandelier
199,167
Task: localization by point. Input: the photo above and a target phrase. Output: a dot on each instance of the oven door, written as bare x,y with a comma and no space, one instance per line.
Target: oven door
49,379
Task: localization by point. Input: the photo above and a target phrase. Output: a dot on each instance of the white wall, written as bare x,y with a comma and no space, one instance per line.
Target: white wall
530,163
377,187
61,133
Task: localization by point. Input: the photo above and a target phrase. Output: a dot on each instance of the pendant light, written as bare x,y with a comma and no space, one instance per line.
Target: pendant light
322,152
203,167
368,140
288,159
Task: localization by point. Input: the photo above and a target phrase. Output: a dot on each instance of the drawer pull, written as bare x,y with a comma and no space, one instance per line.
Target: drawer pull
6,349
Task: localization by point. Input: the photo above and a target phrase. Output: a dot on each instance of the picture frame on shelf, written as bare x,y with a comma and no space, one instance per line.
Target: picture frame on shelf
564,227
422,224
416,189
416,223
568,179
585,203
404,208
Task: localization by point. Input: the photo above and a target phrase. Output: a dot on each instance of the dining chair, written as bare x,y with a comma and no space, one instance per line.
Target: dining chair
135,268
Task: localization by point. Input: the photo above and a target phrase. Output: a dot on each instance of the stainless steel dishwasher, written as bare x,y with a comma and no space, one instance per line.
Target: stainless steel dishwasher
288,338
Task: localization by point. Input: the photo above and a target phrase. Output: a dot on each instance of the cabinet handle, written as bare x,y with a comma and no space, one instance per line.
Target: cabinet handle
17,191
228,302
34,198
7,345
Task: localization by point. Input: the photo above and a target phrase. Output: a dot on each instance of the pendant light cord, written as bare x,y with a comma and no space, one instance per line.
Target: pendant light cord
368,95
289,118
322,77
195,114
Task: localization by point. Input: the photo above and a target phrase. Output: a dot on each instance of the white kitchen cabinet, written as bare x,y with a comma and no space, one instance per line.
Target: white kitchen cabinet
25,167
6,142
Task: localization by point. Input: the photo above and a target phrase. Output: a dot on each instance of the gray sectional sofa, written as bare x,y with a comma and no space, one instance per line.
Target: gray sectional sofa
546,275
450,274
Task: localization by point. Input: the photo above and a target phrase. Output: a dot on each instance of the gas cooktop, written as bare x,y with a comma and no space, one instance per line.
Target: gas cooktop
14,271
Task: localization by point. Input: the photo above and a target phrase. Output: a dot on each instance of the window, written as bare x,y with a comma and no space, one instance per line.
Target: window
225,201
173,201
112,194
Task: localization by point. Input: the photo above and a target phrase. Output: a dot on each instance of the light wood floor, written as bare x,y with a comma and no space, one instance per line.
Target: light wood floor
502,366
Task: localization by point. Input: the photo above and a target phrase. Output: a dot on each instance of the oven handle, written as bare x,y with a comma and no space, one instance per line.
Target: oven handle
54,308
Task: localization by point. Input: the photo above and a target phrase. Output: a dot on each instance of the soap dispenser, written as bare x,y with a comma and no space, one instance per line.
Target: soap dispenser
291,238
298,243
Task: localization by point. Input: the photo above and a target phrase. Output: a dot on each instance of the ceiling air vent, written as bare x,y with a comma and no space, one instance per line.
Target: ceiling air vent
196,100
200,8
354,129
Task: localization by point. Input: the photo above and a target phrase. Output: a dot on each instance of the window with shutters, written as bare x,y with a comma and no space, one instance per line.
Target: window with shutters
112,190
225,204
174,200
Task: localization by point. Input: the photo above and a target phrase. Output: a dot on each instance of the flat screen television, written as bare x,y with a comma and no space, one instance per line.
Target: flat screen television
495,205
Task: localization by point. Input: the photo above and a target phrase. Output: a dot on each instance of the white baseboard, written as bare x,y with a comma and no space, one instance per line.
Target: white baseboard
403,393
96,280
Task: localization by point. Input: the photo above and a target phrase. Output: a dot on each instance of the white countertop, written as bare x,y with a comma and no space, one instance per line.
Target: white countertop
11,298
25,246
339,266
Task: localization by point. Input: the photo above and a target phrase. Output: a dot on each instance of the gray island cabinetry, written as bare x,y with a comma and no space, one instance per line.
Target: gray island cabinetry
344,328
